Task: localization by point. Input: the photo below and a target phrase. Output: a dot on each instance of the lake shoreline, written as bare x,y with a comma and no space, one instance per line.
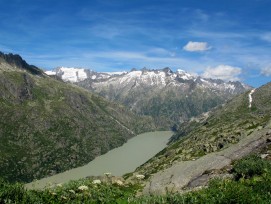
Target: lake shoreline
118,161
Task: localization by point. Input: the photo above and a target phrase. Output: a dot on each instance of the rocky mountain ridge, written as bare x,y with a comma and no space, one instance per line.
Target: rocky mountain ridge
152,77
74,75
14,61
169,97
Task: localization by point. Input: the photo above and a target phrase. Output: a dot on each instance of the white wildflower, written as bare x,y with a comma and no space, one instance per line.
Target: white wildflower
72,191
140,176
83,188
59,185
119,182
64,197
96,181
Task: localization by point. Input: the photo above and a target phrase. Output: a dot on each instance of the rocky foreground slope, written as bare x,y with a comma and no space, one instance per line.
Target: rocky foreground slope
211,142
48,126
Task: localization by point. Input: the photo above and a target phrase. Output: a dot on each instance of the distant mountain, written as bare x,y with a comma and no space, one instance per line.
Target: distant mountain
169,97
48,126
71,74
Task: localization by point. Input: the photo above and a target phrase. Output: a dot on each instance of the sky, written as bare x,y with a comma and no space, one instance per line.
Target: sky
226,39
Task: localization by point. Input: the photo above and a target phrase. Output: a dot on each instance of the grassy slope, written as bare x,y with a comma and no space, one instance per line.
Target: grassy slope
253,186
224,126
47,126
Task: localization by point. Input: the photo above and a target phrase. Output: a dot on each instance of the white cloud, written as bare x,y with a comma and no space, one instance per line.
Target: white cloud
266,71
266,37
201,15
158,51
224,72
196,46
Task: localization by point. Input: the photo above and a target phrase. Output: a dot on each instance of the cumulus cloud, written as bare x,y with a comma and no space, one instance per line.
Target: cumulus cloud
266,71
196,46
224,72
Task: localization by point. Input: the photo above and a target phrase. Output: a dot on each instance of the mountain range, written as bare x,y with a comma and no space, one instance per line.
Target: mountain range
49,124
169,97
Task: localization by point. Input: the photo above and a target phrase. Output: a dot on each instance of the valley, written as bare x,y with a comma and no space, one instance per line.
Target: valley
135,102
48,126
117,162
57,131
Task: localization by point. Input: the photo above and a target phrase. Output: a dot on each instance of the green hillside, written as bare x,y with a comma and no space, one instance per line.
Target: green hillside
215,130
48,126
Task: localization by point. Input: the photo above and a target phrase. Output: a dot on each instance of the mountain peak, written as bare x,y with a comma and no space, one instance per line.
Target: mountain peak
17,61
71,74
147,77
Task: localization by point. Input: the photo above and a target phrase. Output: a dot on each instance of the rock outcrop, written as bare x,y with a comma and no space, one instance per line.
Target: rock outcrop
195,173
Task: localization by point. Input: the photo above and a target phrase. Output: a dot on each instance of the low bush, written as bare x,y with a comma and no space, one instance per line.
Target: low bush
250,166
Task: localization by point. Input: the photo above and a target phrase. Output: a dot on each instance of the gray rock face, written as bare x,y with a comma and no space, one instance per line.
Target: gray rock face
169,97
181,174
17,62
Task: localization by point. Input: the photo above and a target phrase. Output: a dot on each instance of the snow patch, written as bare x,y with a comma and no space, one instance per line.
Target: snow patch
130,76
115,73
184,75
50,73
250,97
71,74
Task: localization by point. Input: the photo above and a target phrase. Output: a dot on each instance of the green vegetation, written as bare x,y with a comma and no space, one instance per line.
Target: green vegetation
48,126
214,131
251,166
81,191
253,187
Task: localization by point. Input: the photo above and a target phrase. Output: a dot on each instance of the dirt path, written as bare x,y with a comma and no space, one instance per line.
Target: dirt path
181,174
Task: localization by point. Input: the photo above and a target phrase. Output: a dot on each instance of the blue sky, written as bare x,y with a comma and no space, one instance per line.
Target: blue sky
227,39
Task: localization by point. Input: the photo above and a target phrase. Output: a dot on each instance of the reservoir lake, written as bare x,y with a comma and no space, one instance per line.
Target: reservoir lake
135,152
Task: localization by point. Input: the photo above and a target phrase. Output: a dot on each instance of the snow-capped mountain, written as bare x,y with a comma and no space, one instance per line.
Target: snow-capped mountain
73,75
169,97
70,74
161,79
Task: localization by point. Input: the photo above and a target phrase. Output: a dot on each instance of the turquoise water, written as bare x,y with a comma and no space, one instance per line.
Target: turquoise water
118,161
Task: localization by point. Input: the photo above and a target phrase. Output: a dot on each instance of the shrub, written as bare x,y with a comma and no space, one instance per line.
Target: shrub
11,193
250,166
